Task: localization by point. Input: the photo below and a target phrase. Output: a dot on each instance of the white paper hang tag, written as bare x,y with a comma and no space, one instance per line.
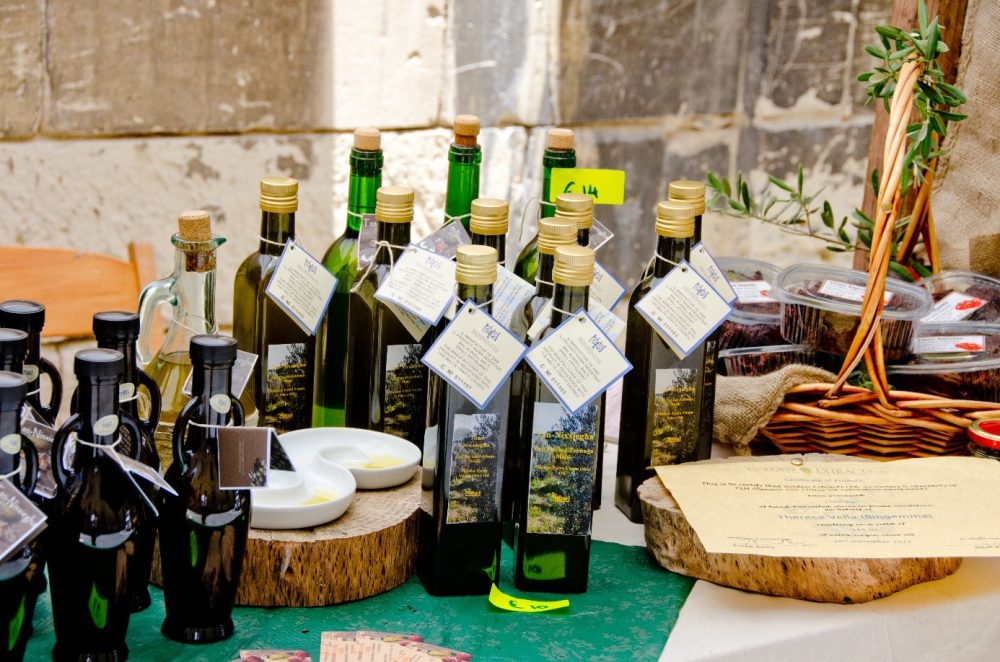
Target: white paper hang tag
600,234
367,239
242,371
445,240
684,309
144,471
244,457
420,282
509,295
610,324
475,354
413,324
541,321
577,361
22,520
606,289
709,269
120,460
302,286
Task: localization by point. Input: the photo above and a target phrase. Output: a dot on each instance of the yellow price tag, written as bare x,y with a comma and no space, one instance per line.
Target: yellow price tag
501,600
606,187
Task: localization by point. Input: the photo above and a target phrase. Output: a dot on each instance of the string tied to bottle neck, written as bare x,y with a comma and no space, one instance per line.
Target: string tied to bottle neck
11,474
103,447
459,302
657,256
379,245
448,218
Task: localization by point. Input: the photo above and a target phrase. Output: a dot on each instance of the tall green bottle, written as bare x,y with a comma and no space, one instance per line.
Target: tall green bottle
559,153
488,225
341,260
464,157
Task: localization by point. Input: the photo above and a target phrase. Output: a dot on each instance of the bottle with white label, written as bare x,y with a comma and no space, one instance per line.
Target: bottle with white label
203,531
92,542
29,316
459,552
386,382
488,225
663,401
557,485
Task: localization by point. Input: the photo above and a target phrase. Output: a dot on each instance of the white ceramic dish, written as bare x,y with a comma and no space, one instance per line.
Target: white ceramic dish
294,501
315,451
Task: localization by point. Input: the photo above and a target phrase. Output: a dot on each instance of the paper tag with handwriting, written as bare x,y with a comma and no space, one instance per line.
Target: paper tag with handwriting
420,282
302,286
413,324
606,289
501,600
244,457
367,237
577,361
609,323
242,372
475,354
684,309
21,520
600,234
606,187
709,269
446,240
41,436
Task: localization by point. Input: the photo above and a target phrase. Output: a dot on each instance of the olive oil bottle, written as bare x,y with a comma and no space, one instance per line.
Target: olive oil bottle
459,551
663,403
281,388
386,382
29,316
559,153
488,225
341,260
464,157
557,486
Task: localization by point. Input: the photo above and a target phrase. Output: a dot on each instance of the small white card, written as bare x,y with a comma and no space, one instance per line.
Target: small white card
949,344
606,289
577,361
610,323
367,238
846,291
753,291
420,282
705,264
413,324
475,354
954,307
22,520
509,294
446,240
684,309
599,235
302,286
242,372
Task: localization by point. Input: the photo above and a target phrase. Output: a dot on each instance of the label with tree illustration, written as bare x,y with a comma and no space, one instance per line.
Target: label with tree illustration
675,415
563,462
287,404
405,392
472,478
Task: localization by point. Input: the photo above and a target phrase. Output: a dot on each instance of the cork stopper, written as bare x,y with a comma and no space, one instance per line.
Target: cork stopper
476,265
578,207
574,266
560,139
675,218
279,195
195,225
368,139
489,216
554,232
466,129
690,191
394,204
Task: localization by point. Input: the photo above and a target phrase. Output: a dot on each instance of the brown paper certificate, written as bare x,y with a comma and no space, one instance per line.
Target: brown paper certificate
783,506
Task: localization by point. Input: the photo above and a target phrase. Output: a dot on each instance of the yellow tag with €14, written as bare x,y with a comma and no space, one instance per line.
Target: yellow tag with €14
606,187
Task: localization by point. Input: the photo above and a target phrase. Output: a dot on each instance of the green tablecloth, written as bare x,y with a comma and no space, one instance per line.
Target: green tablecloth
628,612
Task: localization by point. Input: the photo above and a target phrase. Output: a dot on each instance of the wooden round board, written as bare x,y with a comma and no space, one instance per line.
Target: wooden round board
675,546
370,549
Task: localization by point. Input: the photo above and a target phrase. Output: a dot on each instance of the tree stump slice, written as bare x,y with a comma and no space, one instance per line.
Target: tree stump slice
673,543
370,549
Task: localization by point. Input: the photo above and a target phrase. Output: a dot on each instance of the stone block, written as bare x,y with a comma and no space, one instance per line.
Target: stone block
636,58
22,26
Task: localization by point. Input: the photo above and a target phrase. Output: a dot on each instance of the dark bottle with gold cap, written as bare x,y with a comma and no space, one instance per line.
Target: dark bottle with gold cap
341,260
464,157
29,316
662,397
281,388
557,486
386,382
559,153
459,552
488,225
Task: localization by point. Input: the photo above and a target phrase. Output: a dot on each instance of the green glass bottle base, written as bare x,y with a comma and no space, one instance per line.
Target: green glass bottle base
196,635
63,654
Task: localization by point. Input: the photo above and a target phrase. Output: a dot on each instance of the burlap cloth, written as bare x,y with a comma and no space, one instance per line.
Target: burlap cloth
745,404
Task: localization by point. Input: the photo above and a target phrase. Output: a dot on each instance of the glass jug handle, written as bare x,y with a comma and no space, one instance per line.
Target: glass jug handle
30,466
152,296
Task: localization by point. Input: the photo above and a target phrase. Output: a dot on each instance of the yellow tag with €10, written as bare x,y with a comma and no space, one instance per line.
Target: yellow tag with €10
501,600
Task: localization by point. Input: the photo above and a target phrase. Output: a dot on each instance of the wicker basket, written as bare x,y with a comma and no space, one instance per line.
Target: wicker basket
879,423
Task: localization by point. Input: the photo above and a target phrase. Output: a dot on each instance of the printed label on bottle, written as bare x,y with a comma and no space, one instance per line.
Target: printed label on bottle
405,392
22,520
287,386
752,291
41,436
30,372
221,403
846,291
675,415
106,425
949,344
367,240
472,480
10,444
563,463
125,391
954,307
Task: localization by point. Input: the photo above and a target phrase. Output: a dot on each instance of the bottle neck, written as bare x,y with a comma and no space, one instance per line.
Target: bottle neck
673,249
397,235
463,181
697,230
543,279
276,228
554,158
12,362
194,291
566,300
366,179
127,348
208,381
497,241
583,237
97,398
10,423
480,294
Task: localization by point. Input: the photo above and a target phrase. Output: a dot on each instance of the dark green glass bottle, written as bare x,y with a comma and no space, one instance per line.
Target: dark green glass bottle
488,225
29,316
386,382
663,403
559,153
459,552
553,541
341,260
464,157
282,384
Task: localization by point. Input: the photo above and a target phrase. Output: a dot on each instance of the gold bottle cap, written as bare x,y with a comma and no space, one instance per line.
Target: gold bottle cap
554,232
578,207
368,139
560,139
689,190
574,266
476,265
489,216
675,218
279,194
195,225
466,129
394,204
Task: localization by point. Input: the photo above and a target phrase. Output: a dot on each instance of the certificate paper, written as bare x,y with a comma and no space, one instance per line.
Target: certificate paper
927,507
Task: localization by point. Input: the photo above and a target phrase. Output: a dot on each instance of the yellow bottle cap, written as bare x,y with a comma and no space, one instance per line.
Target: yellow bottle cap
394,204
675,218
689,190
554,232
476,265
279,194
489,216
574,266
578,207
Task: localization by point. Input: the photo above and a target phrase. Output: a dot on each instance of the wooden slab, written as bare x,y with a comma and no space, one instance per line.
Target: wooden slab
675,546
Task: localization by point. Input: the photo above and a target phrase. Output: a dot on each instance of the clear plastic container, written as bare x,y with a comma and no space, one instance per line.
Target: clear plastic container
821,308
954,360
962,296
756,361
756,317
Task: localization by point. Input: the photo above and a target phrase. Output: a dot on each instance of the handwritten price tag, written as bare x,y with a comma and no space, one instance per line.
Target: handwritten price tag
606,187
501,600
